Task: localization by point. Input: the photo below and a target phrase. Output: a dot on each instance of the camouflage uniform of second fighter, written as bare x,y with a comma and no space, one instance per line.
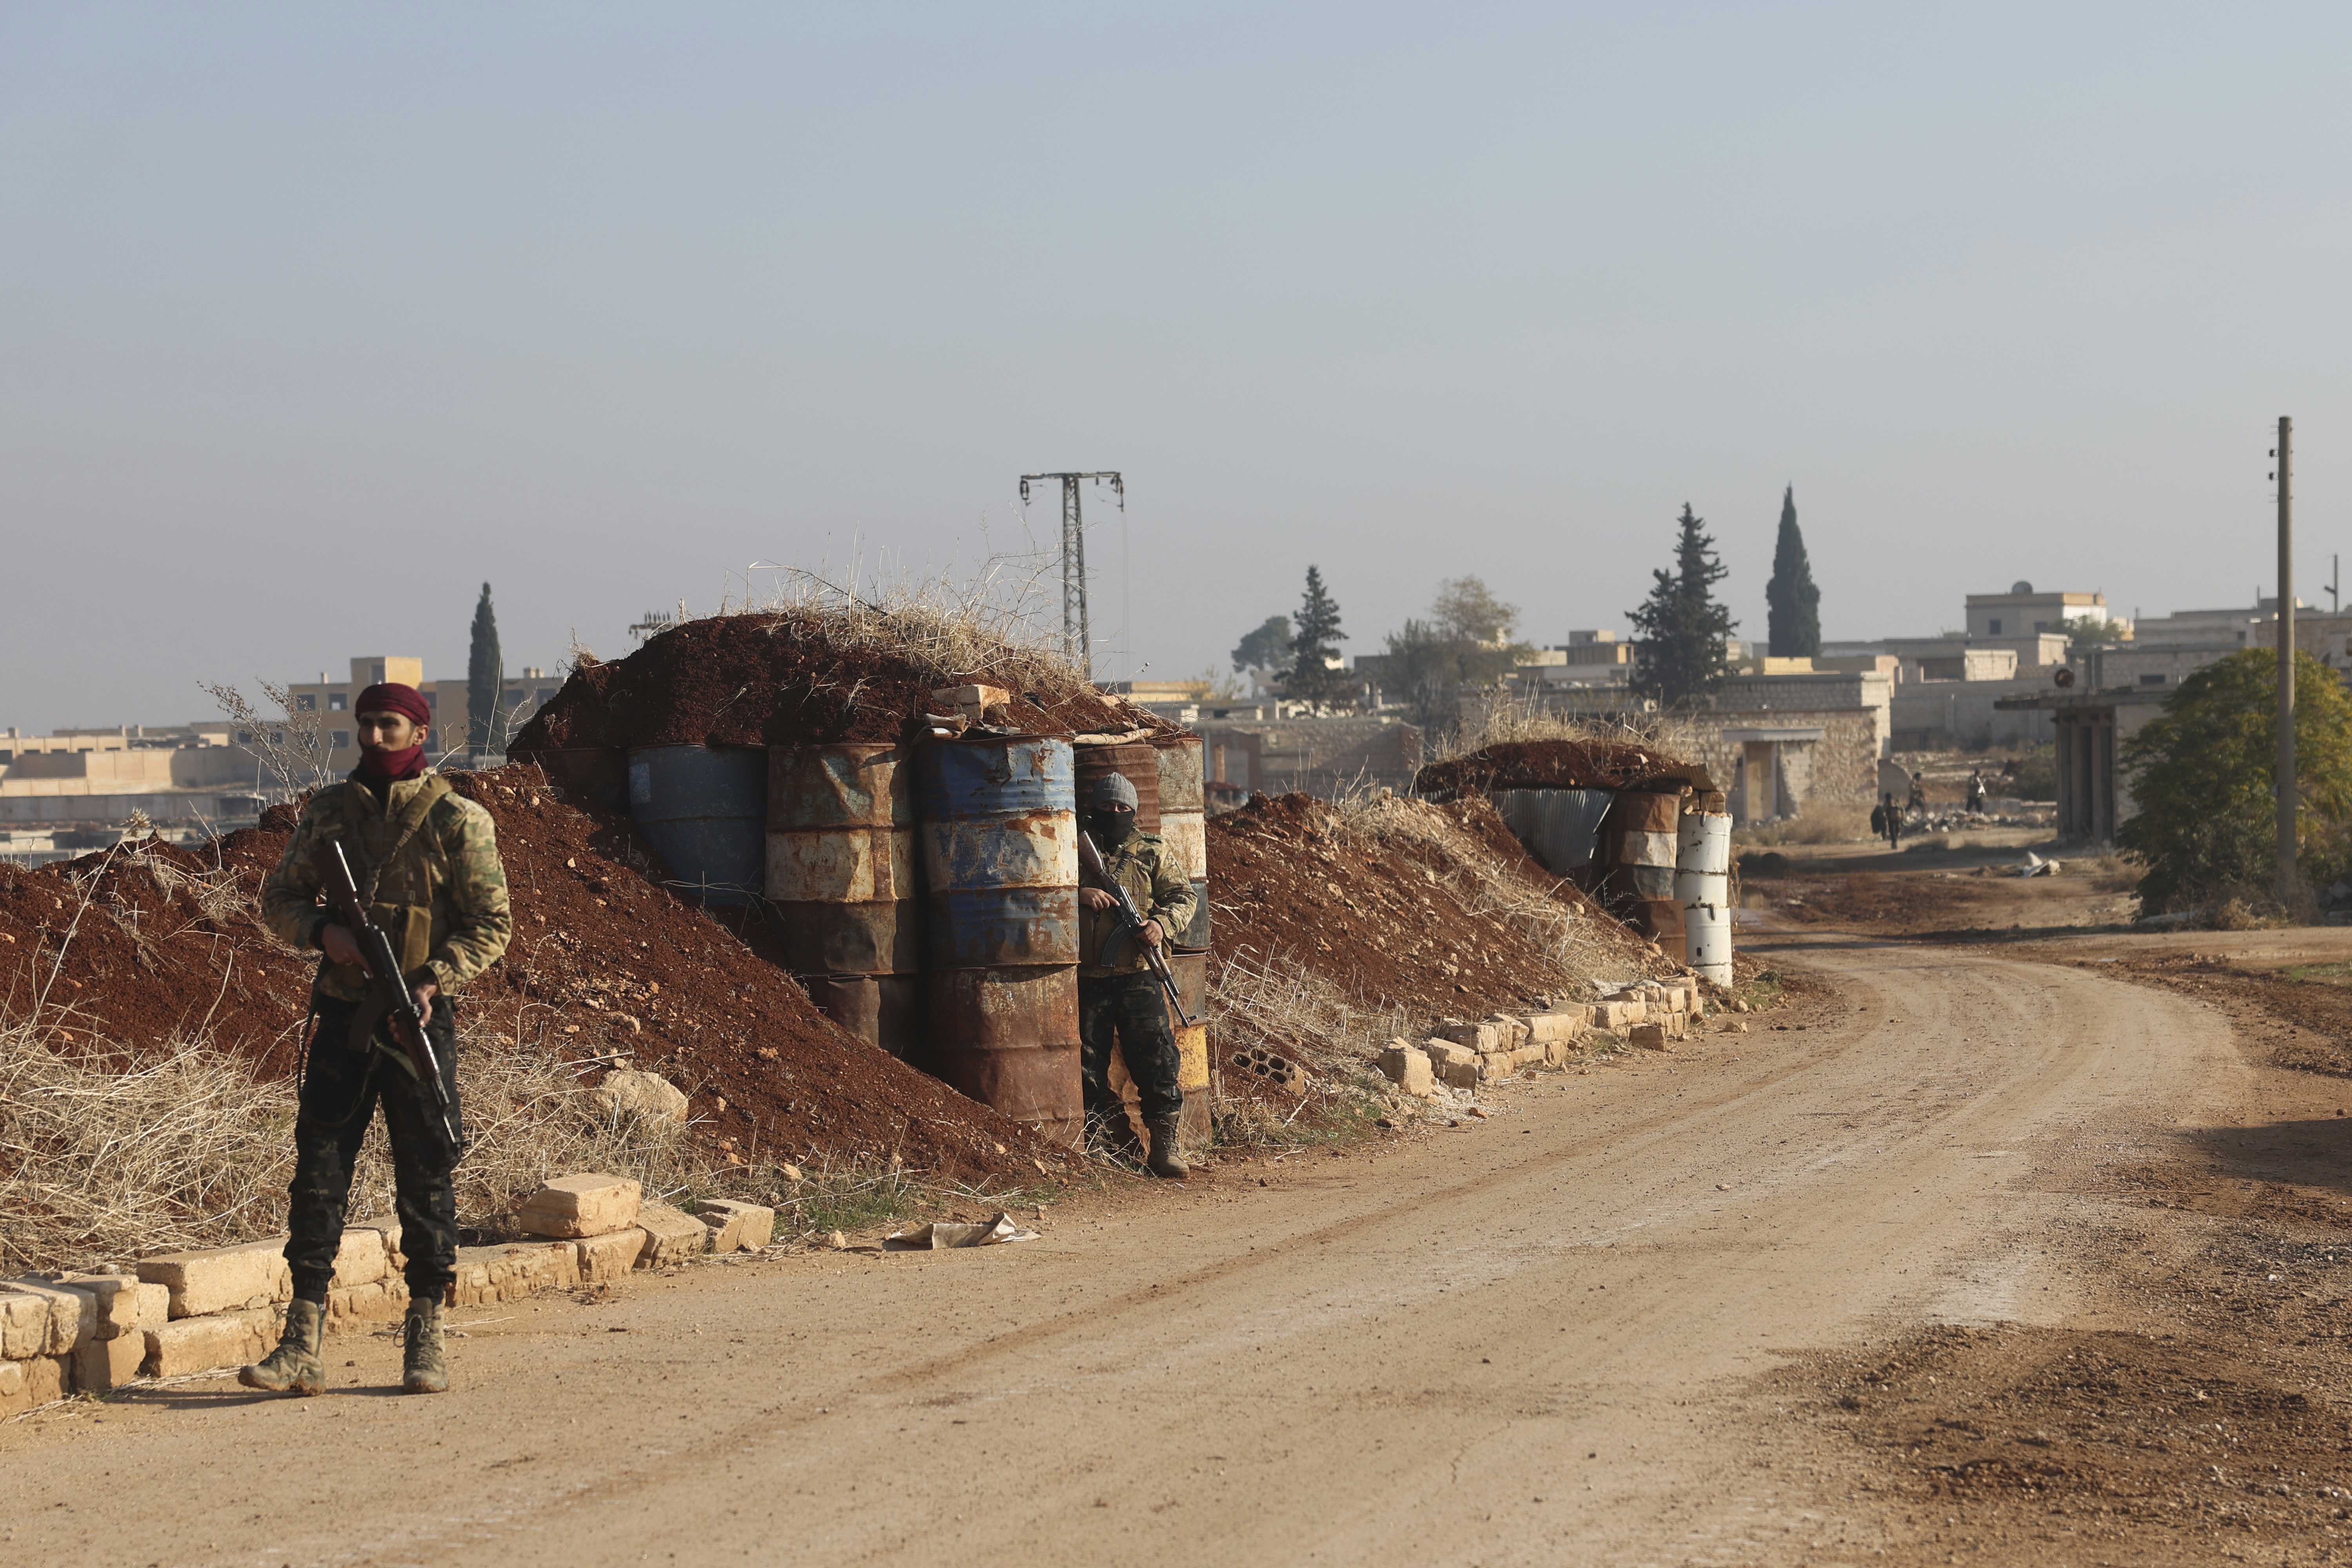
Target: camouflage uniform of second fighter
427,862
1124,997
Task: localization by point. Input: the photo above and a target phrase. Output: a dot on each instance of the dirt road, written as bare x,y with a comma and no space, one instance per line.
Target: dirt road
1541,1338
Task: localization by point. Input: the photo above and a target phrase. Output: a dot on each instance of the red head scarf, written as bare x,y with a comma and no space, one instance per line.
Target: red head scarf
392,696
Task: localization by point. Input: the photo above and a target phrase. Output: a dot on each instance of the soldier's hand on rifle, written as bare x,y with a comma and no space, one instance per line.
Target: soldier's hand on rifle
424,991
1151,933
1095,899
339,943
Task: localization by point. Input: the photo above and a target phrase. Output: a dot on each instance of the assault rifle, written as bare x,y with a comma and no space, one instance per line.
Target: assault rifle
1131,921
401,1015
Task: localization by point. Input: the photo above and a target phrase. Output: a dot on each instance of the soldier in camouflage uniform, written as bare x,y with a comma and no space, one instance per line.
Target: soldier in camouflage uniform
427,862
1118,992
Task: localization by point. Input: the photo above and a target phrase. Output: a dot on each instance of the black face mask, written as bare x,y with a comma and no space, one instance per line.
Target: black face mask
1112,826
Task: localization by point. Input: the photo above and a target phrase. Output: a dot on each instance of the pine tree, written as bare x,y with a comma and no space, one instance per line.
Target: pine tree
1680,627
1314,641
1793,619
485,680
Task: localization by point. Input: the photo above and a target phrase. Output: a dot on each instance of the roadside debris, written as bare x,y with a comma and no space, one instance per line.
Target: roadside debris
940,1237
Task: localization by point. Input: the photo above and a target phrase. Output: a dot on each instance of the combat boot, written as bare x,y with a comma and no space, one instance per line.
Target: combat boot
294,1367
1166,1160
424,1369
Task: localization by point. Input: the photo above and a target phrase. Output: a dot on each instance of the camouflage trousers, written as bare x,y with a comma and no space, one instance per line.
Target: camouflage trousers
341,1088
1132,1009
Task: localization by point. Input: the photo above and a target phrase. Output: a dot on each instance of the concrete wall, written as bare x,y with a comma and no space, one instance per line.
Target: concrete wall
1959,715
1318,756
179,805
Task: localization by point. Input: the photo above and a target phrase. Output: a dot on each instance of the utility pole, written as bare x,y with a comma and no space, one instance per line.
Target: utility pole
1078,646
2285,475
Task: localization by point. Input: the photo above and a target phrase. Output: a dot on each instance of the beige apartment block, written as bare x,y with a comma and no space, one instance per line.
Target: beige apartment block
328,704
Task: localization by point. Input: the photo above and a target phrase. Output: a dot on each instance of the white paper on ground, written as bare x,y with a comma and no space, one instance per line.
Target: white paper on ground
936,1237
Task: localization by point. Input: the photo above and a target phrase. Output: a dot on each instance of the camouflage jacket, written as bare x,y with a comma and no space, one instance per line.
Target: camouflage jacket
1147,869
442,900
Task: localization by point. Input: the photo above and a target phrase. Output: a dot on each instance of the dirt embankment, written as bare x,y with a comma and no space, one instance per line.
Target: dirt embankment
799,679
1556,764
1390,917
606,964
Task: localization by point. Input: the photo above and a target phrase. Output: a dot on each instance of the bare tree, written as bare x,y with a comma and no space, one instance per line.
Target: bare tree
291,751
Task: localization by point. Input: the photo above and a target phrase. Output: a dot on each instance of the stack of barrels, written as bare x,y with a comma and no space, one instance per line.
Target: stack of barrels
844,882
1000,835
926,895
1640,845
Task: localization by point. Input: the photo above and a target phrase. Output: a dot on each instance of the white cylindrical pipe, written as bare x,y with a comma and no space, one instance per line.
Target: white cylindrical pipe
1703,843
1703,888
1707,942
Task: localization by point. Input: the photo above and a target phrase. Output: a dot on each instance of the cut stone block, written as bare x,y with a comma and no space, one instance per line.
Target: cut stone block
604,1259
222,1279
1460,1074
115,1298
1530,1055
587,1205
1408,1067
1617,1017
1545,1027
1444,1052
72,1314
24,1324
1649,1038
101,1366
491,1274
670,1236
1497,1064
154,1306
351,1306
37,1381
359,1259
215,1340
1487,1035
737,1227
1558,1053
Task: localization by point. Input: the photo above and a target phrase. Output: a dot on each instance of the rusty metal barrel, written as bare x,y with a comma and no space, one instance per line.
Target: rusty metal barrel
1136,762
846,883
845,867
1184,825
997,822
1640,847
999,828
704,809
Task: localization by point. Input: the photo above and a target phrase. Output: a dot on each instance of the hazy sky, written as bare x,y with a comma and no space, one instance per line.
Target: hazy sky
313,318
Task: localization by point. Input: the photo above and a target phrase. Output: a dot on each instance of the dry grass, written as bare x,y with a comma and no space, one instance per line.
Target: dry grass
1513,716
1821,825
190,1148
997,624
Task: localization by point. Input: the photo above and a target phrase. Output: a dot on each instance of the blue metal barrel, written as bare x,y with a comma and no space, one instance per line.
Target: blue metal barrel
704,809
1000,834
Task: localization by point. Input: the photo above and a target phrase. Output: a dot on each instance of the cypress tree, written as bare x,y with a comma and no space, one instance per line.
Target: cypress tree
1680,625
1793,618
1316,640
485,680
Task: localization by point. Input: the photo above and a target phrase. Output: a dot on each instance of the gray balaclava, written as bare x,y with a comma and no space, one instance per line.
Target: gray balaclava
1112,789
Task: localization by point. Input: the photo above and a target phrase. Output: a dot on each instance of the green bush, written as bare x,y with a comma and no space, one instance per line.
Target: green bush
2036,777
2201,773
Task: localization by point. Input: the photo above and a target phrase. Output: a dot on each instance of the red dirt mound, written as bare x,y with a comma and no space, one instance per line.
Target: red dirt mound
1386,919
782,679
149,943
1556,764
606,963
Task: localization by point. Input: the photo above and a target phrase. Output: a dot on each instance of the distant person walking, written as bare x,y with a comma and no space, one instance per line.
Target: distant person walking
1886,821
1976,791
1918,801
